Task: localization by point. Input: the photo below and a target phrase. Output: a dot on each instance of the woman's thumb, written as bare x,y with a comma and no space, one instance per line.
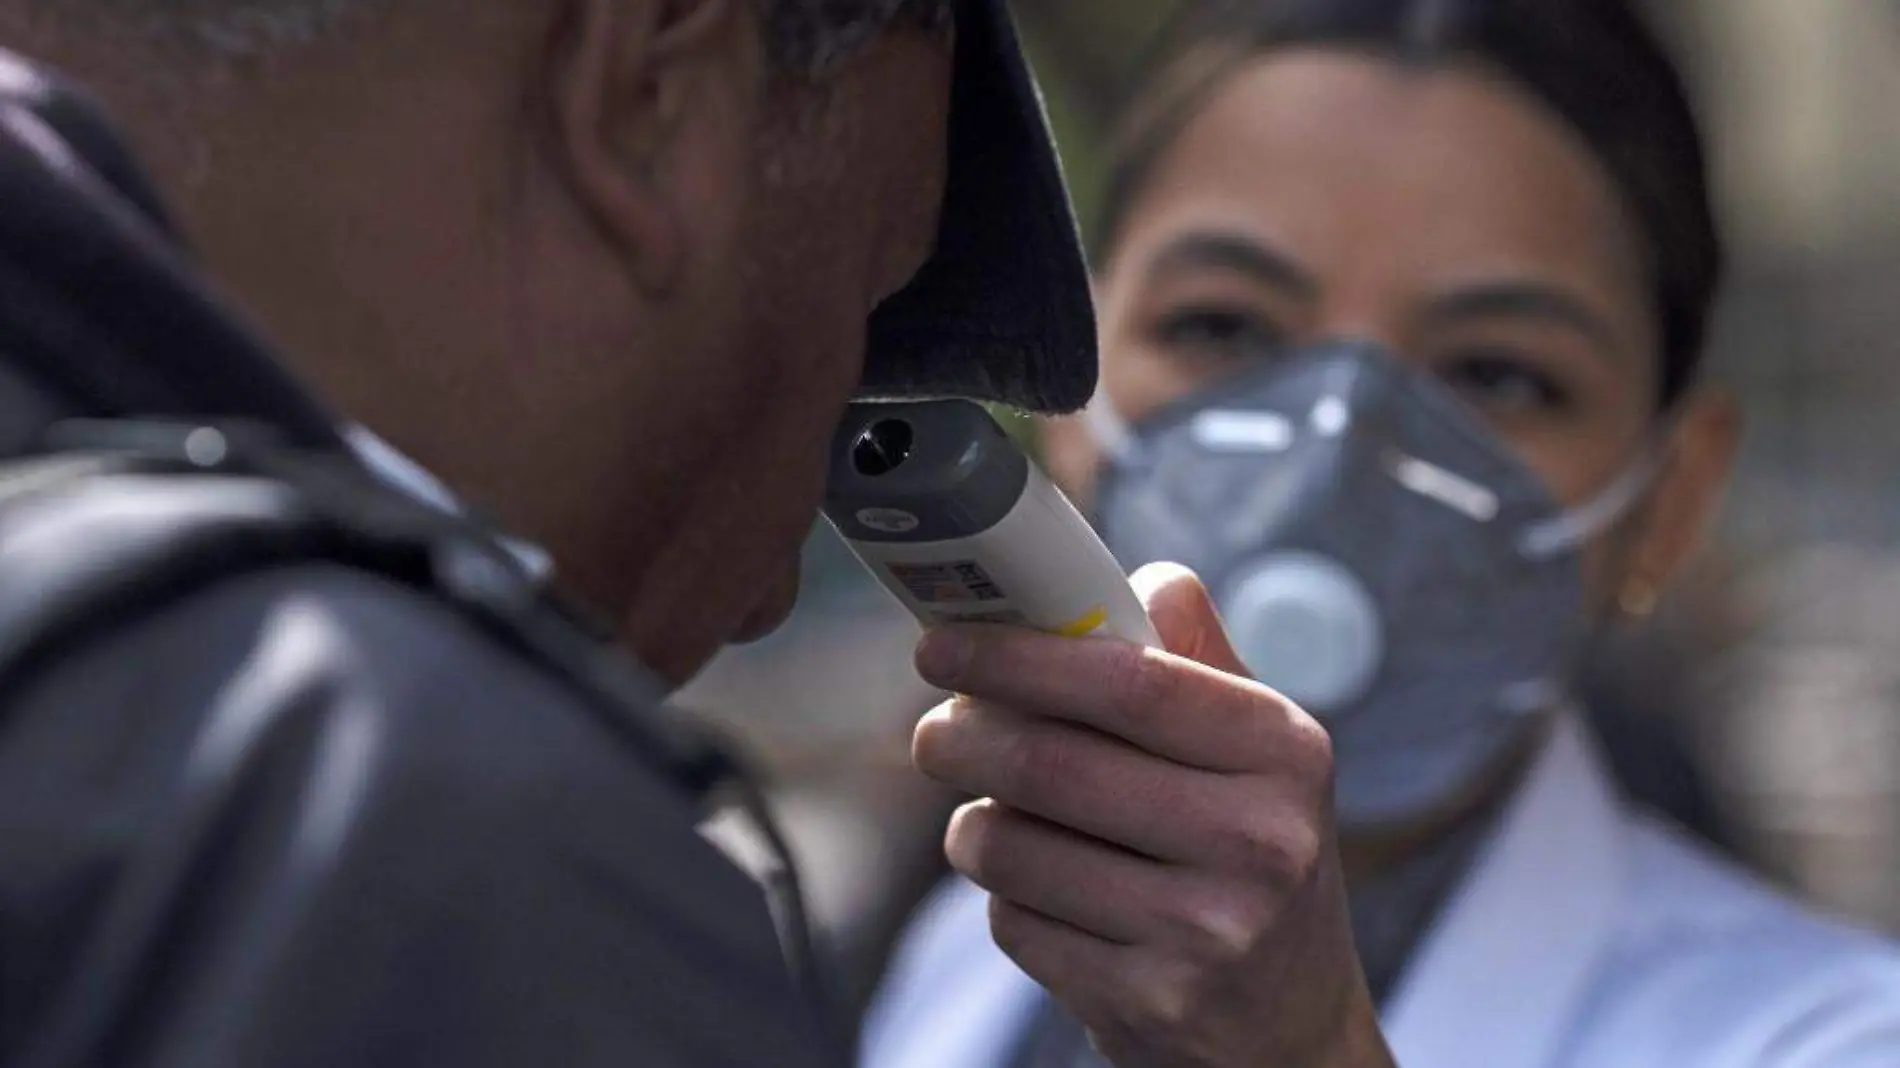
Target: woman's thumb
1184,615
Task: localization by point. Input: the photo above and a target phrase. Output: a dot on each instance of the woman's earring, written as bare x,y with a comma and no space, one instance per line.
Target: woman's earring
1638,599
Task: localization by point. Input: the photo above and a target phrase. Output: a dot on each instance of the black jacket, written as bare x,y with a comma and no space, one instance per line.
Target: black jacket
312,816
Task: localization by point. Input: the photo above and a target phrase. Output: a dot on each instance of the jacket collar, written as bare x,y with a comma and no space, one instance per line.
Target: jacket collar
397,471
101,306
1510,960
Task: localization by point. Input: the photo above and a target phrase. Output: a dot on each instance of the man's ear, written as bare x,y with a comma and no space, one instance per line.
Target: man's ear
635,86
1687,496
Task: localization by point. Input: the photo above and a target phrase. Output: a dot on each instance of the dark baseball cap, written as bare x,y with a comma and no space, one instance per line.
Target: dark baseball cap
1002,310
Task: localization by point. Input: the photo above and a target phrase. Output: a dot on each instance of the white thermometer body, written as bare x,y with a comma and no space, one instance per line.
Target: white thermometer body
962,527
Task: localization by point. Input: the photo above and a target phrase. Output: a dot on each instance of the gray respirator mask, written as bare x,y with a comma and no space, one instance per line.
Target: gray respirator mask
1379,557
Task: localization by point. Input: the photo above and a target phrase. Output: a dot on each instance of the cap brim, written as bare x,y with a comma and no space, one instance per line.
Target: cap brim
1002,311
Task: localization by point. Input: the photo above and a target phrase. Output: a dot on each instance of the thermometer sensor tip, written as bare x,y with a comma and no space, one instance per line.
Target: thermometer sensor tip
883,447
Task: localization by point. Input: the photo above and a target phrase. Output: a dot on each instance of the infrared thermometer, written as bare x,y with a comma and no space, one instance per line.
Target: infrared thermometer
957,522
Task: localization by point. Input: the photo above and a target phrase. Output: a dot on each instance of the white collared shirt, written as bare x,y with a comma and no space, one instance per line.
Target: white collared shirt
1587,936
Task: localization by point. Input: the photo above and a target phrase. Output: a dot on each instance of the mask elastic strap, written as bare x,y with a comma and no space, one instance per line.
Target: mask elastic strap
1577,526
1111,432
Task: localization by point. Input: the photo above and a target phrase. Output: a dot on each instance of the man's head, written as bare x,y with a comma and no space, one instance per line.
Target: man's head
605,265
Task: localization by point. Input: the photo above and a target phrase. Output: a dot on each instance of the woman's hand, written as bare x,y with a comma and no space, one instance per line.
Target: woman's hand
1156,836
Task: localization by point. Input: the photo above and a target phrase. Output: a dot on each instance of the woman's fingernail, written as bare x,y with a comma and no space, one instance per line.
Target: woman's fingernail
942,656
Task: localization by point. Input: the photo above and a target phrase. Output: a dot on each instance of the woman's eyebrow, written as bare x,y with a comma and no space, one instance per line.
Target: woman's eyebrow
1532,301
1203,249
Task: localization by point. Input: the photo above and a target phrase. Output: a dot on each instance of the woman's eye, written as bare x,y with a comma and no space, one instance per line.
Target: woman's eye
1225,333
1505,382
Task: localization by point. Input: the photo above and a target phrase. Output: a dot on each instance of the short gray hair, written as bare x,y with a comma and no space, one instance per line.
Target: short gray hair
805,37
811,36
226,28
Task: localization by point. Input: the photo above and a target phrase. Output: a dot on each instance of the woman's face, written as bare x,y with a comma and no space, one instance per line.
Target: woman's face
1321,195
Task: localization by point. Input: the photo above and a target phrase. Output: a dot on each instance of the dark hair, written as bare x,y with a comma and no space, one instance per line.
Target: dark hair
1592,62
